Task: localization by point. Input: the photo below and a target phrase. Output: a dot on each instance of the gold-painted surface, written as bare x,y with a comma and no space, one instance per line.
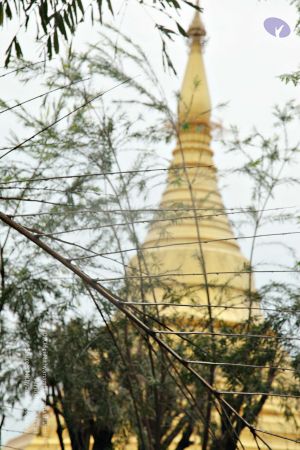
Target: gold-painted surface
41,435
195,104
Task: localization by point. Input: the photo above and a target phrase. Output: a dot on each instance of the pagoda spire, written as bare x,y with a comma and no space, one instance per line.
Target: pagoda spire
173,246
194,104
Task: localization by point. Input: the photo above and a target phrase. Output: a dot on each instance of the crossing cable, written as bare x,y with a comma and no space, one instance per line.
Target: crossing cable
269,394
212,333
192,305
239,335
221,364
191,274
151,221
249,366
175,244
206,241
115,300
291,310
221,392
182,336
182,387
21,68
122,211
212,363
62,118
9,108
189,305
186,304
61,191
104,174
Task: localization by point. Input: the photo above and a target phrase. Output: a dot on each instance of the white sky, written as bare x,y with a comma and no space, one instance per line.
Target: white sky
242,61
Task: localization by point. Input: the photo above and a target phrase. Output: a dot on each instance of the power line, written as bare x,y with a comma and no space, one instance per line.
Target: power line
143,327
238,335
192,305
42,95
269,394
206,241
241,365
170,219
21,68
62,118
104,174
122,211
193,274
175,244
45,202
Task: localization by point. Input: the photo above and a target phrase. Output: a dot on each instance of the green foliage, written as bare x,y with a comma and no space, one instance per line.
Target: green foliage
291,77
56,19
104,379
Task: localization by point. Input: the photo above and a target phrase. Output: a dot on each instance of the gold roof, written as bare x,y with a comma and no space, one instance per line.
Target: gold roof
194,103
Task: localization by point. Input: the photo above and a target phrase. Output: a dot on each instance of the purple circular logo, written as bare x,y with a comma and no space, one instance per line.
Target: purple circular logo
277,27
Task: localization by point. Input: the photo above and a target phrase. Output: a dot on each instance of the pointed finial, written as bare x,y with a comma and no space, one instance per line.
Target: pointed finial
196,29
194,105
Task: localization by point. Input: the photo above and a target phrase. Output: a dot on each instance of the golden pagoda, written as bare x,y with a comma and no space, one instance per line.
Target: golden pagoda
40,435
193,193
173,249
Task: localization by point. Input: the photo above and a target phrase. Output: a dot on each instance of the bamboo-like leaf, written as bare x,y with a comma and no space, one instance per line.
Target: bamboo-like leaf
18,49
193,5
70,11
67,21
61,26
1,13
165,31
49,47
8,11
181,30
99,2
55,41
8,54
110,6
43,17
79,3
74,7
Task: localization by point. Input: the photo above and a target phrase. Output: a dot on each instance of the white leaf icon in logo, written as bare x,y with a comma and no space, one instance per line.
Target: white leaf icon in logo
277,27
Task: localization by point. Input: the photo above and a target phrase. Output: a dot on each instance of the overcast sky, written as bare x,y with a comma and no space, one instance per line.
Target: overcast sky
242,60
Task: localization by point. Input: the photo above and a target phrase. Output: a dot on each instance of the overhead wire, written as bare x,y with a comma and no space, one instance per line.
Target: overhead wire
142,326
192,274
9,108
122,211
104,174
153,332
193,305
22,67
204,241
170,219
55,122
239,335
